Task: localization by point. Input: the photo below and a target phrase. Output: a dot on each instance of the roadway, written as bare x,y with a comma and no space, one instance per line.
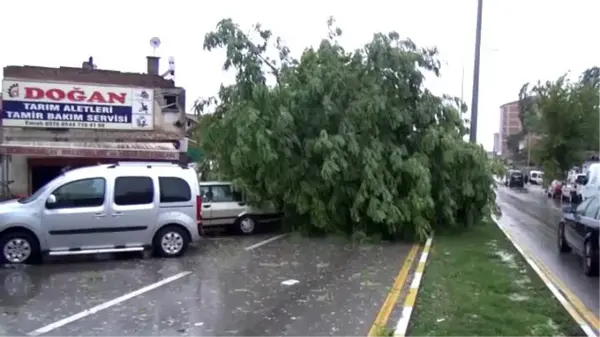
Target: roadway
531,219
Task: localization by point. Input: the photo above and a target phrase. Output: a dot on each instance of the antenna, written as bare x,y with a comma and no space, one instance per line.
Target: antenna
154,43
171,72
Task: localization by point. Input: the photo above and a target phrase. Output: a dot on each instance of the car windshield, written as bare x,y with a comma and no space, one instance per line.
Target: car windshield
580,179
35,195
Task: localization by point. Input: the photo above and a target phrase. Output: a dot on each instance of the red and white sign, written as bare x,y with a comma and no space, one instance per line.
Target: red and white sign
67,93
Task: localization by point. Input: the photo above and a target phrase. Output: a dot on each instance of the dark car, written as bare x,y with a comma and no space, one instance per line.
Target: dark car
514,178
578,232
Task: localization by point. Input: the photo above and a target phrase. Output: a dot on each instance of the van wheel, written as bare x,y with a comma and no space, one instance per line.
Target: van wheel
590,259
246,224
19,247
170,241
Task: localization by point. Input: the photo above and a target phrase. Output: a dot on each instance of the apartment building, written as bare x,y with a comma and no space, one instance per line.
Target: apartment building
509,124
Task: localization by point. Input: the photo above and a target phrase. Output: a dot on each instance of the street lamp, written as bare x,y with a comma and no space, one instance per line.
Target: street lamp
475,97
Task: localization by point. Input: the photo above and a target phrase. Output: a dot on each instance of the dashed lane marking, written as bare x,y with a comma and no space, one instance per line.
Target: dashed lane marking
105,305
262,243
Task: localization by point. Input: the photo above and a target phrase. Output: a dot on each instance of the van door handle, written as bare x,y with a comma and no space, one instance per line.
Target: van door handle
242,203
99,215
117,214
206,206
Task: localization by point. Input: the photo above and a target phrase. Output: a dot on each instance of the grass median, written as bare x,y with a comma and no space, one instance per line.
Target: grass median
477,284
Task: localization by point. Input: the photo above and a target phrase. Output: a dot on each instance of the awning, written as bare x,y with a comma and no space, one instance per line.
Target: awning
146,151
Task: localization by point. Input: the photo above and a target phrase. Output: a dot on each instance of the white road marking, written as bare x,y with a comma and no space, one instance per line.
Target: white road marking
289,282
105,305
262,243
411,298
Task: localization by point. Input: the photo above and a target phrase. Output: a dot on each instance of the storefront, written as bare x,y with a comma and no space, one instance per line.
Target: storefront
33,164
81,118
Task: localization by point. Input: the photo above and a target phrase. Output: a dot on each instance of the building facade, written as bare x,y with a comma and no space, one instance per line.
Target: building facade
497,143
57,118
510,124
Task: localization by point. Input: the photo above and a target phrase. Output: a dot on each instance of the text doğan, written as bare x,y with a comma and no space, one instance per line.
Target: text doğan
70,112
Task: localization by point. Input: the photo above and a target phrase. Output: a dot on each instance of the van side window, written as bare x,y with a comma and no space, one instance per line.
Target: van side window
134,191
173,189
80,193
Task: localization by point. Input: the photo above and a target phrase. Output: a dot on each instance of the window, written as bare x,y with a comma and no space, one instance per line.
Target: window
170,102
581,208
134,191
80,193
224,193
173,189
205,193
592,209
534,175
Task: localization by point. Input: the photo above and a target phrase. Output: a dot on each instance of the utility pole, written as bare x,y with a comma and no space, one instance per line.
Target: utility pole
475,98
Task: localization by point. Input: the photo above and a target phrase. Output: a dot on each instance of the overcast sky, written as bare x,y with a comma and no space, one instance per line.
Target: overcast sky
523,40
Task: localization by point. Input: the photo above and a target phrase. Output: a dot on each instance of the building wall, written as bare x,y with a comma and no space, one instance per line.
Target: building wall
497,143
168,110
509,123
169,123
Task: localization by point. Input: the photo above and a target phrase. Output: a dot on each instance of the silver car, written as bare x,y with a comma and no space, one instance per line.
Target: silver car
224,206
123,207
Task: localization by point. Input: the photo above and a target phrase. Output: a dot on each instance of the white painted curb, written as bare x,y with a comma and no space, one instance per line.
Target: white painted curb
411,298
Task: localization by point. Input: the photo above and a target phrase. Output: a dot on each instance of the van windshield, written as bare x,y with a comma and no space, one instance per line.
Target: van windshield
35,195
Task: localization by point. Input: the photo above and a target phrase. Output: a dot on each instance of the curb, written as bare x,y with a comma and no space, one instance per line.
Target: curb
550,285
411,297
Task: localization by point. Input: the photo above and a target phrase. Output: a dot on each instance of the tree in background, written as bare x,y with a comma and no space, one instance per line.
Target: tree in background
564,114
345,141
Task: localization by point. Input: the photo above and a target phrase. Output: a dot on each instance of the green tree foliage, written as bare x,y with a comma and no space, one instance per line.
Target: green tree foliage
565,114
345,141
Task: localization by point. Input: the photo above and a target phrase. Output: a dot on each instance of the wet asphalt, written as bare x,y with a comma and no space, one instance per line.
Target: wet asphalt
532,218
231,290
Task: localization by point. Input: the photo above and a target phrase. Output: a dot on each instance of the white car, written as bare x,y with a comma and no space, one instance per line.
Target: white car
536,177
573,187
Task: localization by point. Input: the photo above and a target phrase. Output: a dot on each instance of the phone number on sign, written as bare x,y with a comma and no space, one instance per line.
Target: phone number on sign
56,124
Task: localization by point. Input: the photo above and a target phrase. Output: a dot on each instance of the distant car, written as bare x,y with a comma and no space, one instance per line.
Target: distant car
555,189
514,178
536,177
578,232
224,206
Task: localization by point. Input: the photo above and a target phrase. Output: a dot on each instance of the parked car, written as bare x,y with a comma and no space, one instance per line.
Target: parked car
554,189
114,208
572,187
578,232
536,177
224,206
514,178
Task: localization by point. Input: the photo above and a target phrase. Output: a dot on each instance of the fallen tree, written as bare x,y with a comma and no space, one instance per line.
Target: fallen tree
345,141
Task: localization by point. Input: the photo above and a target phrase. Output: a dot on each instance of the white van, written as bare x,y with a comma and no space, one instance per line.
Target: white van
592,185
114,208
536,177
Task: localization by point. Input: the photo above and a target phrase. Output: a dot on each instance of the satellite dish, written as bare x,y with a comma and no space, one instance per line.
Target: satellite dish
154,43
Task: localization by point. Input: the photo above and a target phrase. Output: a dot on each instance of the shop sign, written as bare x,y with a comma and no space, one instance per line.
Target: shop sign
72,106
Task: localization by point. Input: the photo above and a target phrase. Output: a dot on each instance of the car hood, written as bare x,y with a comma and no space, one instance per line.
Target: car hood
9,205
